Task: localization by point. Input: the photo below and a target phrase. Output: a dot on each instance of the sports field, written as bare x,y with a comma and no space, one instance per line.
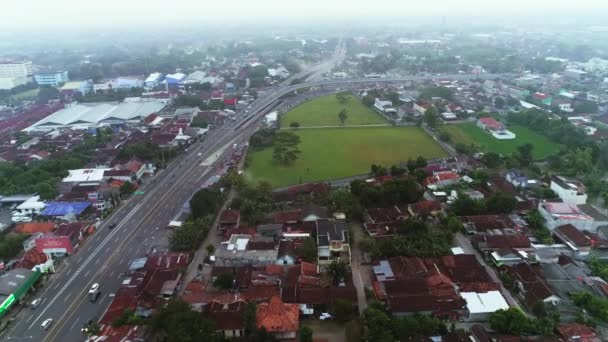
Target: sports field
323,111
330,153
26,95
469,134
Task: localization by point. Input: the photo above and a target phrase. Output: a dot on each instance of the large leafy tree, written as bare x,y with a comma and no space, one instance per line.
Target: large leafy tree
285,150
177,322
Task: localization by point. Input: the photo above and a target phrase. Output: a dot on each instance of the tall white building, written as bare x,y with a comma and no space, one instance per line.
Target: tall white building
15,69
13,74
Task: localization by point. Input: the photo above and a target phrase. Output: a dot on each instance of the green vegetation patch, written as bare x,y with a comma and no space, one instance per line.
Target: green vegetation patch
469,134
26,95
323,111
341,152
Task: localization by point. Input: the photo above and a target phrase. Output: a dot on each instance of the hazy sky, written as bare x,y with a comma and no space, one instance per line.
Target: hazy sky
78,13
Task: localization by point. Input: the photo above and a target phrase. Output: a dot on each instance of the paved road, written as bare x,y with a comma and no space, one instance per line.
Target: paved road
139,229
108,252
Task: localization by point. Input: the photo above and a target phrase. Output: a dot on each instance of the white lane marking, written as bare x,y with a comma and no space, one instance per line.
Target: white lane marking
73,324
84,265
87,274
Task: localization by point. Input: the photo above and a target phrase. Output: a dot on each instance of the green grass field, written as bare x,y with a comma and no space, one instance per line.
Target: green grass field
330,153
323,111
26,95
469,133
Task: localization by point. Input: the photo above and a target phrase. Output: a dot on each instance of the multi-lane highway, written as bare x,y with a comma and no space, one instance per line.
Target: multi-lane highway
140,224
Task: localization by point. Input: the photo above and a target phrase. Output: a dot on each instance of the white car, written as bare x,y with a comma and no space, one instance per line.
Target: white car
94,288
199,154
34,304
325,316
46,323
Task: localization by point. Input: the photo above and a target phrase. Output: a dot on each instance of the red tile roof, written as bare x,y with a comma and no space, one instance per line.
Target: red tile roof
230,216
577,332
32,228
30,259
425,207
288,216
278,317
573,235
227,316
496,242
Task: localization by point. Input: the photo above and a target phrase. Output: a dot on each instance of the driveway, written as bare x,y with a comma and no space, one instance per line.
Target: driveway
330,330
361,273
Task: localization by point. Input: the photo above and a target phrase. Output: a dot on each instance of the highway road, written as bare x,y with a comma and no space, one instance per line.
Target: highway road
140,222
140,229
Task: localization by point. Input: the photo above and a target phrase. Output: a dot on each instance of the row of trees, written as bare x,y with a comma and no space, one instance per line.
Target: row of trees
382,326
514,322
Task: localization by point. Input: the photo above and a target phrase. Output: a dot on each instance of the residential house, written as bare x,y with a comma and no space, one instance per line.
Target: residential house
280,319
228,317
576,332
383,221
229,218
494,127
490,243
442,179
384,106
243,249
584,217
579,243
490,225
425,208
332,241
570,191
517,178
532,285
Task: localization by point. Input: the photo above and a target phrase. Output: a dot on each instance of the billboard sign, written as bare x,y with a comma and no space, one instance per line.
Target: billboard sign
54,245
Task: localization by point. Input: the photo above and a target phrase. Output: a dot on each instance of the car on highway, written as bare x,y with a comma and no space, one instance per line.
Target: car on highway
35,303
112,226
46,323
199,154
94,293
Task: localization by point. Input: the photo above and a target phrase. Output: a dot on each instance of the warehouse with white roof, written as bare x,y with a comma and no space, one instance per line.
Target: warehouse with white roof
90,115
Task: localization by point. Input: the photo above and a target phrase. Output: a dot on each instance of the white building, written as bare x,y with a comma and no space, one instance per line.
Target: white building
16,69
280,72
271,118
153,80
52,79
482,305
83,87
572,192
90,115
583,217
13,74
85,175
384,106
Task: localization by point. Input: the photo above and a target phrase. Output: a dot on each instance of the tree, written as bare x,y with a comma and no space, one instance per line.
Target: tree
344,201
189,236
524,154
586,107
305,334
343,98
249,318
378,325
511,101
499,102
511,321
295,125
224,281
177,322
286,148
338,270
500,203
431,117
342,310
47,93
491,159
308,250
127,188
342,115
454,225
206,202
210,249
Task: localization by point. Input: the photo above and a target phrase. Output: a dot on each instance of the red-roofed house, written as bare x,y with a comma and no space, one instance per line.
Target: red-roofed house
576,332
425,208
32,228
287,217
490,124
278,318
229,218
578,242
228,318
490,243
231,102
442,179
